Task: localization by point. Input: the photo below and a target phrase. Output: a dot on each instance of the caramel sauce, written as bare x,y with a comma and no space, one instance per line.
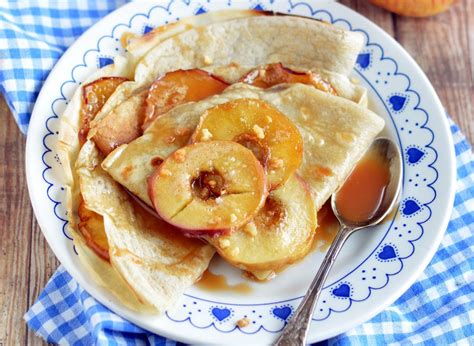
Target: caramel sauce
214,282
362,193
328,226
208,185
256,146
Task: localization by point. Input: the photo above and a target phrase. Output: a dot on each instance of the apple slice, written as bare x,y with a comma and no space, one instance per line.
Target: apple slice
280,234
121,125
270,135
274,74
208,187
91,226
178,87
94,95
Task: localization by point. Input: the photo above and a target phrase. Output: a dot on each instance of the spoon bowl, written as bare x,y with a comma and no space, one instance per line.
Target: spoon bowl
389,159
388,153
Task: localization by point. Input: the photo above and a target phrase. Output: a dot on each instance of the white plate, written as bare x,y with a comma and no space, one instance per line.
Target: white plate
374,268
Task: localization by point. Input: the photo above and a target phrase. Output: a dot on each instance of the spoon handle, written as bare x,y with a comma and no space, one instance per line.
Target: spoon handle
296,330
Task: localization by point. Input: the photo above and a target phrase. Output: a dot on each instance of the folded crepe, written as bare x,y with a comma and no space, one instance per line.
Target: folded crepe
255,41
151,264
137,46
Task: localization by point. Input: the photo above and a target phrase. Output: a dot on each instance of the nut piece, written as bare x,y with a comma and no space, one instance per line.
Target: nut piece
179,155
258,131
243,322
165,173
276,163
251,229
206,135
224,243
235,251
207,60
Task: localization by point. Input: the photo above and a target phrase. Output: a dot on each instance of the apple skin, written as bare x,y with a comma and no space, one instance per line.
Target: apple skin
273,74
172,190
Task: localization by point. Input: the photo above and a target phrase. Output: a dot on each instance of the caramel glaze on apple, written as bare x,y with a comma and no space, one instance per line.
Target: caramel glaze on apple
256,146
271,214
208,185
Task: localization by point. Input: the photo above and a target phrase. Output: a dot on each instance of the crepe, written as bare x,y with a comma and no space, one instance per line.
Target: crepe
154,258
342,84
138,46
251,42
335,131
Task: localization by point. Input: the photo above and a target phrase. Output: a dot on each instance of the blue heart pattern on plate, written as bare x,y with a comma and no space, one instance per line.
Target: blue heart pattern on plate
343,291
397,102
200,10
363,60
414,155
388,252
104,61
410,207
283,312
220,314
147,29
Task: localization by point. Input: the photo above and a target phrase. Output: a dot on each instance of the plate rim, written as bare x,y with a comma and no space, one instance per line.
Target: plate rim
402,288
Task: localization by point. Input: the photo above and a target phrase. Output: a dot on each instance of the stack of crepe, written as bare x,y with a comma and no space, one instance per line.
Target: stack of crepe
185,88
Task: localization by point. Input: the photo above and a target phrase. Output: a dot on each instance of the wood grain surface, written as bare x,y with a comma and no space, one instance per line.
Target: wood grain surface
443,46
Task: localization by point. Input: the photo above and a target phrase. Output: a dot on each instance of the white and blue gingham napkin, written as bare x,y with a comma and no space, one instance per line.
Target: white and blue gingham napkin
438,309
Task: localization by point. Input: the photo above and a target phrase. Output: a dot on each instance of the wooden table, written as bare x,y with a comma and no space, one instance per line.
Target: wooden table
442,45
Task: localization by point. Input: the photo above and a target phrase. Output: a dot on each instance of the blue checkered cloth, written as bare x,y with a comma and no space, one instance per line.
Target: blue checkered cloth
438,309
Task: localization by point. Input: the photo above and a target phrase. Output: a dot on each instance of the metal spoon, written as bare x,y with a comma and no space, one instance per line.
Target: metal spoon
297,328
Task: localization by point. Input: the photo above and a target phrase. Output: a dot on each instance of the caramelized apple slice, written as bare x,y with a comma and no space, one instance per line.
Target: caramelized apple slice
270,135
274,74
178,87
94,95
91,226
280,234
210,186
121,125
